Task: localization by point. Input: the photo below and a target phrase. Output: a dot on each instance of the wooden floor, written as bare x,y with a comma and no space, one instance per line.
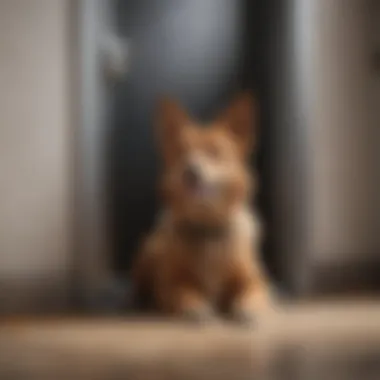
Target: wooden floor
318,341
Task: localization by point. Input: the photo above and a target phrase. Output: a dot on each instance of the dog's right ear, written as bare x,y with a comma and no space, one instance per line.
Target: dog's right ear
170,120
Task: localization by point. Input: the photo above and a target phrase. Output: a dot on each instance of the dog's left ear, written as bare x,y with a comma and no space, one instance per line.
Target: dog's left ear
171,119
240,119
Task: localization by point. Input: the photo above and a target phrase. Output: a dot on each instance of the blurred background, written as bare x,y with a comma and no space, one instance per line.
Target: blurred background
78,164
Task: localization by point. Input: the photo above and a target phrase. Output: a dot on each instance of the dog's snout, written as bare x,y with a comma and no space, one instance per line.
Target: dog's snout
191,175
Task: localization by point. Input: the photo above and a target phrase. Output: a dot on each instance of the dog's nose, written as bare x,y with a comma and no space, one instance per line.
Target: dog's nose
191,175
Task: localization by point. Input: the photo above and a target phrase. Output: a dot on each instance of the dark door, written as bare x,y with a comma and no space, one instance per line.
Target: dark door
200,51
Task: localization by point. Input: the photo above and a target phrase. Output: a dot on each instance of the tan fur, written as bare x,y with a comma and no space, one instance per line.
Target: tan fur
217,273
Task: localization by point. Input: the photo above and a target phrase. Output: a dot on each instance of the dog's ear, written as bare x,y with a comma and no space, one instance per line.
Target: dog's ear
240,119
170,120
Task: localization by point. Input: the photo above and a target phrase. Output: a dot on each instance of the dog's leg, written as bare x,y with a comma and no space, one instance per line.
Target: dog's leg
248,302
248,294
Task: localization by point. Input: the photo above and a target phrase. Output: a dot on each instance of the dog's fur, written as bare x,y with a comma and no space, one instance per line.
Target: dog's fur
203,254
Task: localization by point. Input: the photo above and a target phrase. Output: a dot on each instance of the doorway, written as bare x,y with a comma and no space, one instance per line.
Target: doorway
201,52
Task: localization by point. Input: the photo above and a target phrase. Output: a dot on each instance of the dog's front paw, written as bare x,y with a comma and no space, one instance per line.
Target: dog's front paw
244,317
200,316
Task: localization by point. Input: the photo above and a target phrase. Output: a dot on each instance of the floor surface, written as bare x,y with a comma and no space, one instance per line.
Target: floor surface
325,340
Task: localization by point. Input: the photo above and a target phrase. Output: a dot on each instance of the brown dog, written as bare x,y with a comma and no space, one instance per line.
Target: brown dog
203,254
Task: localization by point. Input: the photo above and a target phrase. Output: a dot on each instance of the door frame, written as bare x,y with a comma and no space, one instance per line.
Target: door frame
92,251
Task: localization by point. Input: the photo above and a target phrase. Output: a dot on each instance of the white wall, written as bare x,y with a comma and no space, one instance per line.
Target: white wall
376,46
34,153
343,134
375,33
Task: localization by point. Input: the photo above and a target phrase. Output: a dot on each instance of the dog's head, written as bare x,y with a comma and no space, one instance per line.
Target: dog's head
205,172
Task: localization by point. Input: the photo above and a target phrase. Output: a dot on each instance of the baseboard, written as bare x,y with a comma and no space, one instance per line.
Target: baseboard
346,279
34,296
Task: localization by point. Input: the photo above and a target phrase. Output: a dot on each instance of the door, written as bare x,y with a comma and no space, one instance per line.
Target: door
201,52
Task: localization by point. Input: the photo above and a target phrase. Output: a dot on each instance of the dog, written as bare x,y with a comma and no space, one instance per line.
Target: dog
203,256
